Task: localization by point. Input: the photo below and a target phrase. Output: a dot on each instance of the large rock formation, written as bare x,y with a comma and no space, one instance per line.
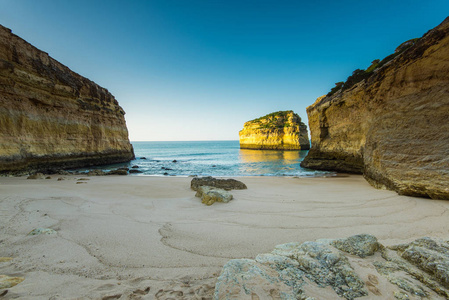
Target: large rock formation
282,130
390,122
351,268
51,117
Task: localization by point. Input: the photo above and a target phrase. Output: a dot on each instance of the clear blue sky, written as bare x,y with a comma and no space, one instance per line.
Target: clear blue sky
197,70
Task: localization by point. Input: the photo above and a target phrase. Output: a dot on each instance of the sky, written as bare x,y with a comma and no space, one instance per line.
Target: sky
197,70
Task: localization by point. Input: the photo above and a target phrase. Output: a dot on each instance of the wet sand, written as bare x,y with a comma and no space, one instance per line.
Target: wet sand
137,237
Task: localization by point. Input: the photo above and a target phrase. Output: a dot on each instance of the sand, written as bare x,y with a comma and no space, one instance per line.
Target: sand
139,237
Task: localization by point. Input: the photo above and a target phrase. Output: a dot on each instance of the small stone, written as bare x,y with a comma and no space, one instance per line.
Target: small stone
39,231
135,167
61,178
48,177
175,161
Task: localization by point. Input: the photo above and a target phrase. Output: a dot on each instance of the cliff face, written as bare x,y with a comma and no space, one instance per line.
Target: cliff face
393,125
51,117
277,131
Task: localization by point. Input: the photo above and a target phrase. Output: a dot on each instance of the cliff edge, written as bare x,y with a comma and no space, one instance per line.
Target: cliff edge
390,122
282,130
51,117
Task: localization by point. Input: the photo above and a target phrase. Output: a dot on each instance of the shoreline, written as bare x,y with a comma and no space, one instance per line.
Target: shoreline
119,235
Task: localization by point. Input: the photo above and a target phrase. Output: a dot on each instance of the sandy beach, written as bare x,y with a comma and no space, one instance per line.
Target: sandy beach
138,237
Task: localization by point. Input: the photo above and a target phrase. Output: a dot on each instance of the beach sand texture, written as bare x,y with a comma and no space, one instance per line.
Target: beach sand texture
138,237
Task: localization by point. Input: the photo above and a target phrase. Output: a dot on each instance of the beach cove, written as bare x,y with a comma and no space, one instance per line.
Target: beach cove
140,237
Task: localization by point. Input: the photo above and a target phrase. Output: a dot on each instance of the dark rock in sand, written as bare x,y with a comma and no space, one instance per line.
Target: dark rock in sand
226,184
122,171
134,171
135,167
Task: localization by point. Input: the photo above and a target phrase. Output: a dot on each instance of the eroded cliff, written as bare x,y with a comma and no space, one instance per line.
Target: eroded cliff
390,122
281,130
51,117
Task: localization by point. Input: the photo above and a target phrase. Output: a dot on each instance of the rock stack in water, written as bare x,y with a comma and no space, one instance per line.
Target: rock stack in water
390,122
51,117
281,130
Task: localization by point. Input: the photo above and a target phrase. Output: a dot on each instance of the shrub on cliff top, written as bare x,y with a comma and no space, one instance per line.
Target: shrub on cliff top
359,75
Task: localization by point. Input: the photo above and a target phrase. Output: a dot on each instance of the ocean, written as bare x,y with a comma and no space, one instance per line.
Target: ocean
214,158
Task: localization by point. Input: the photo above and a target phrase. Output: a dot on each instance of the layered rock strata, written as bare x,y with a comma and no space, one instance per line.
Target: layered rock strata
281,130
390,122
351,268
51,117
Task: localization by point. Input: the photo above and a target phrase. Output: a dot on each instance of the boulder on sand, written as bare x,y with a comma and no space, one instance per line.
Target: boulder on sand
226,184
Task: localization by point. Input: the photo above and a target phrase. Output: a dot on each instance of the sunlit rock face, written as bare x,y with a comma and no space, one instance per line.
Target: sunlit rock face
281,130
51,117
392,125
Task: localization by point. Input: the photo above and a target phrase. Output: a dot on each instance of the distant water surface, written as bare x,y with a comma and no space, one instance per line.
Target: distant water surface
215,158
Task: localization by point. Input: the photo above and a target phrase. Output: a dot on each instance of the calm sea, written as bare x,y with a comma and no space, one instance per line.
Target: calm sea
214,158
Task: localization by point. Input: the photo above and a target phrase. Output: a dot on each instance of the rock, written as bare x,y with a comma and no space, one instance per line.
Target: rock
39,231
81,123
7,282
175,161
135,167
48,177
83,179
226,184
210,195
390,121
362,245
96,173
36,176
61,178
320,270
134,171
143,158
282,130
121,171
167,169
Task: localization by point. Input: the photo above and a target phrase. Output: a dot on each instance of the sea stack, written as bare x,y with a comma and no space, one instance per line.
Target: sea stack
51,117
282,130
390,122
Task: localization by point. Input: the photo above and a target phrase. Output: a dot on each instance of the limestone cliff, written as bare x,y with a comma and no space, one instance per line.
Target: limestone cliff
51,117
390,122
281,130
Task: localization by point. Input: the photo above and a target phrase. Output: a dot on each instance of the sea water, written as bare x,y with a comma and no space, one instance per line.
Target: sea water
215,158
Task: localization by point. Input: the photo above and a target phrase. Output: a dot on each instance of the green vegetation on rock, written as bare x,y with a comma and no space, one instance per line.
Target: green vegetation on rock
358,75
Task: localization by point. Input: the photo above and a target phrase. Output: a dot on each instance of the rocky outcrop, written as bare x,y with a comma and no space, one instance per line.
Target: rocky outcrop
282,130
51,117
358,266
226,184
390,122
